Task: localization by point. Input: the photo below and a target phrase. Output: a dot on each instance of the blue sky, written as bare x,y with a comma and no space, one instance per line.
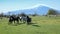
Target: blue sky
12,5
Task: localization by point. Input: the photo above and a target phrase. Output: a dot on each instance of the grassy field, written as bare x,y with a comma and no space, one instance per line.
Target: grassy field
40,25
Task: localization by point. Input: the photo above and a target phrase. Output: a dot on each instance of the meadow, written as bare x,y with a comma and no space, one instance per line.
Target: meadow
40,25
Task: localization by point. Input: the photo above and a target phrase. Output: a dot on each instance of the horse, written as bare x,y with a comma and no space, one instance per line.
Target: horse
25,19
13,19
28,20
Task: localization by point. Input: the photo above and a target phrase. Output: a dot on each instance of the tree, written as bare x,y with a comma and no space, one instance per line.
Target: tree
34,14
52,12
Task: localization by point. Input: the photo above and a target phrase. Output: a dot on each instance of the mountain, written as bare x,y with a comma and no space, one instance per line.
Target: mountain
40,10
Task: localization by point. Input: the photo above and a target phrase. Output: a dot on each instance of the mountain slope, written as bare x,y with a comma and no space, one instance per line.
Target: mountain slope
40,10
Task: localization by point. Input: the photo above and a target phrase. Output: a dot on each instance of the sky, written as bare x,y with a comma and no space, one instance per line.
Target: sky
12,5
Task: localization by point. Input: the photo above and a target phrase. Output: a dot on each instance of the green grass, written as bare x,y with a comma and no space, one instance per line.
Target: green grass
41,25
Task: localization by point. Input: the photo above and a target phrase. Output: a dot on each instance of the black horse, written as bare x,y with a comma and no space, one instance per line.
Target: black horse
28,20
13,19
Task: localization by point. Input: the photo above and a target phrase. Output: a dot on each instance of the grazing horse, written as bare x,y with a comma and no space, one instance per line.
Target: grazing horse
13,19
25,19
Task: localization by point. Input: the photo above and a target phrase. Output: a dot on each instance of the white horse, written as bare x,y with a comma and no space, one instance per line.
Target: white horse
23,19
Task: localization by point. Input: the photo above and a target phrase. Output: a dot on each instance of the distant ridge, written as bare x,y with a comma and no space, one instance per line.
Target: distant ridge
40,10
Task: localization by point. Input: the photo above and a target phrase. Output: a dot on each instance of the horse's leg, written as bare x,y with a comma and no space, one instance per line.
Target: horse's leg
22,20
17,21
14,21
25,21
28,21
10,22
